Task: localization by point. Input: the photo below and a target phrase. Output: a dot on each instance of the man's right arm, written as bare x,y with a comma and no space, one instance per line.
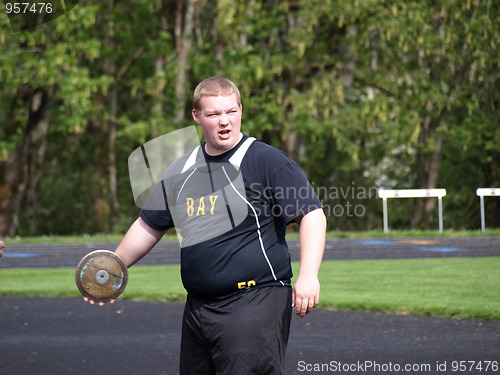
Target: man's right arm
138,241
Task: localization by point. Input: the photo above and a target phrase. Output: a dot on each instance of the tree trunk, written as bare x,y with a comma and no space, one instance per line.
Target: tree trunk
184,29
20,173
37,155
11,191
99,131
428,162
160,62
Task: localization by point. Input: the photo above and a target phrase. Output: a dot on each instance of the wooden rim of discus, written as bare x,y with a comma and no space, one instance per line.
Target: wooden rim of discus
101,276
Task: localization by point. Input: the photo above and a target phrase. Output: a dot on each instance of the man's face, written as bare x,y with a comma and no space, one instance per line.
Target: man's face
220,120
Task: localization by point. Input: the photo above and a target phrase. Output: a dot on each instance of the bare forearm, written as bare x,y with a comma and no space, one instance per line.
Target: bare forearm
312,228
312,232
138,241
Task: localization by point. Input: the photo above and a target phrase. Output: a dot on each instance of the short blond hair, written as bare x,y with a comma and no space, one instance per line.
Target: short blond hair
215,86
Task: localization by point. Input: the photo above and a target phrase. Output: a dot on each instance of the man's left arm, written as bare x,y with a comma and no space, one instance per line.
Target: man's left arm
312,230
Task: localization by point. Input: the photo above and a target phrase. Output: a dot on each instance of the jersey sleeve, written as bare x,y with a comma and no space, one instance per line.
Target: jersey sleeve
293,195
159,220
155,212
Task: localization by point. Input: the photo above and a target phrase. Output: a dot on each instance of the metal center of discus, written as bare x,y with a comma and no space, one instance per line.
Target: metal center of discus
101,277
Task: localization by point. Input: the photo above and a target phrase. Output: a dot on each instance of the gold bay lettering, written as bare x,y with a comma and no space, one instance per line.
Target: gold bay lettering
201,208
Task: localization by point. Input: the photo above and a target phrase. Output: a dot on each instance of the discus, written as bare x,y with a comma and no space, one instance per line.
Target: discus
101,276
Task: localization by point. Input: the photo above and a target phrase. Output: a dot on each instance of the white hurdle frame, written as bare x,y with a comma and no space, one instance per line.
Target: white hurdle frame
412,193
485,192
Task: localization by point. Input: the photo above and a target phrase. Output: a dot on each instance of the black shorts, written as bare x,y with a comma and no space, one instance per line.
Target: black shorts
245,333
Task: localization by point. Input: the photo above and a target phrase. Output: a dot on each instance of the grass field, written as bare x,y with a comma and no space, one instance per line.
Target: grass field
449,287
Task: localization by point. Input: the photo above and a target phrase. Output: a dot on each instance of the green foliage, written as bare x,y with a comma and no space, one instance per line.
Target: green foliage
362,94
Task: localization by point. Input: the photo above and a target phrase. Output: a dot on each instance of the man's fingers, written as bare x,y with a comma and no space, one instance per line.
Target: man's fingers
305,305
301,308
92,302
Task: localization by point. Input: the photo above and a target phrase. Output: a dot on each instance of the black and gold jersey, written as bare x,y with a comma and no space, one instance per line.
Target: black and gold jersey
230,212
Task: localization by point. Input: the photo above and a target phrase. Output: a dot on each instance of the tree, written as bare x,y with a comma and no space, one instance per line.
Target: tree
37,103
429,67
361,94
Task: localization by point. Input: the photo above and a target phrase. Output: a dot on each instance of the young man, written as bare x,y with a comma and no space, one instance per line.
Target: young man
231,200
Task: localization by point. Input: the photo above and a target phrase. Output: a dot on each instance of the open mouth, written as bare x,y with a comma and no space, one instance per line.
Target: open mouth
224,134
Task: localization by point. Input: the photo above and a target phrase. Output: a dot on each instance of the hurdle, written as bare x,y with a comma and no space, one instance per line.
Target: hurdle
412,193
485,192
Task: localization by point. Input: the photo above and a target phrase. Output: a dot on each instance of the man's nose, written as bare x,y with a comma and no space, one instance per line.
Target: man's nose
224,119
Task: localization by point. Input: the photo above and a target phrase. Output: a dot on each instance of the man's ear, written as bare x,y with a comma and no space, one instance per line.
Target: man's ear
195,116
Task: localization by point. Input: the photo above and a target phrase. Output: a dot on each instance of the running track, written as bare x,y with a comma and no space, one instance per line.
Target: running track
167,252
66,336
